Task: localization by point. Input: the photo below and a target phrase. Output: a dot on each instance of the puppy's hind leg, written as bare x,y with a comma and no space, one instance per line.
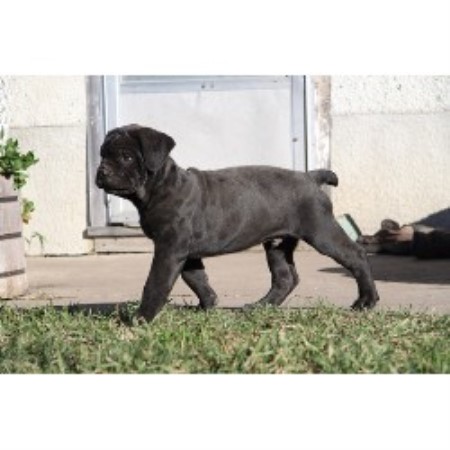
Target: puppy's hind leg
281,265
328,238
195,277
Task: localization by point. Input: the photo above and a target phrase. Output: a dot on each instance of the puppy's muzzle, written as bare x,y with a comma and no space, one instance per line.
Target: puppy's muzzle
104,173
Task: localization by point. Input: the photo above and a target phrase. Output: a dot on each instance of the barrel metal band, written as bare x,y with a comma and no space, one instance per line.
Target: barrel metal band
6,236
12,273
11,198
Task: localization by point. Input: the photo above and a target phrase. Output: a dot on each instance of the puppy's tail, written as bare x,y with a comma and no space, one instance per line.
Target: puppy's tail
323,176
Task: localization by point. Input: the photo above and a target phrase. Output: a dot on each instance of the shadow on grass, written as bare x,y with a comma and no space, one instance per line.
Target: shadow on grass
125,313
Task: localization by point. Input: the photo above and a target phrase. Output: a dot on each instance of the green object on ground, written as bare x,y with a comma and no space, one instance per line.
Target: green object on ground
349,226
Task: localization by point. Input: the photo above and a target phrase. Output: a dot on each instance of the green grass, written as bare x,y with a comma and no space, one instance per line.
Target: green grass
263,340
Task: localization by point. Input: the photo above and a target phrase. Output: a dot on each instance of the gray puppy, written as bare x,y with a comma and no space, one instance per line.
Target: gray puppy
191,214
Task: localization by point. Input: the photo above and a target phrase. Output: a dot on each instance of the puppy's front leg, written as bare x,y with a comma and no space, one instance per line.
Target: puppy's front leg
166,267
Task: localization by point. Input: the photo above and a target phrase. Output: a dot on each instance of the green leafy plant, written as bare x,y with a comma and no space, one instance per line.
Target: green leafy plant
41,239
27,209
14,164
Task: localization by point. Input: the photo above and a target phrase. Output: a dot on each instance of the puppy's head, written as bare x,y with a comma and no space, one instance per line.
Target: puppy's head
130,156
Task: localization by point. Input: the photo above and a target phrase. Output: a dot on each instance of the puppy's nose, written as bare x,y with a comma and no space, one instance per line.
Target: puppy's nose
103,173
99,179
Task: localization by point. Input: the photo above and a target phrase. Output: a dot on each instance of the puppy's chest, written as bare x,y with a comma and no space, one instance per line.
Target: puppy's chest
164,223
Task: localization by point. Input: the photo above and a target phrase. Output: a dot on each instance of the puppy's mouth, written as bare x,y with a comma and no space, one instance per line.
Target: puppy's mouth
109,187
118,192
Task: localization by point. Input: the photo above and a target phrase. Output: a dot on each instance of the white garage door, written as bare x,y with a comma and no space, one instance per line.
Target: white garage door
216,121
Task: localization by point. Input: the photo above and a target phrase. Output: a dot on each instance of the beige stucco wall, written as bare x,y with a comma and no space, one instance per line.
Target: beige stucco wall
390,145
48,115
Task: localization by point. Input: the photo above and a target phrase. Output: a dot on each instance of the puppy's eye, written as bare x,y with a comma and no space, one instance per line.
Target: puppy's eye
127,157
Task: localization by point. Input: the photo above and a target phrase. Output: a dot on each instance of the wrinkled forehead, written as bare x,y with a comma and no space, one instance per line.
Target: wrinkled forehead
116,141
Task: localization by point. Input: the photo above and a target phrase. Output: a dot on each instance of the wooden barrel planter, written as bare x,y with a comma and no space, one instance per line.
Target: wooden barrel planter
13,278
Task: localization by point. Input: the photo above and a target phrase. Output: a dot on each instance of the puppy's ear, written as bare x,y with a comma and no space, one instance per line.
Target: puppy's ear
155,147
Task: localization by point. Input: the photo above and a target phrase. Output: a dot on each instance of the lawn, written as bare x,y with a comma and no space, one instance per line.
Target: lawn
323,339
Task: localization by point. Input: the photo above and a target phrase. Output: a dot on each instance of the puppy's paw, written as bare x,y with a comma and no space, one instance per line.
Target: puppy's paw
364,303
143,316
208,303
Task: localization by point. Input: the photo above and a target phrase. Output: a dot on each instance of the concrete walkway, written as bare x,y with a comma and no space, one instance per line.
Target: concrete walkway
403,282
